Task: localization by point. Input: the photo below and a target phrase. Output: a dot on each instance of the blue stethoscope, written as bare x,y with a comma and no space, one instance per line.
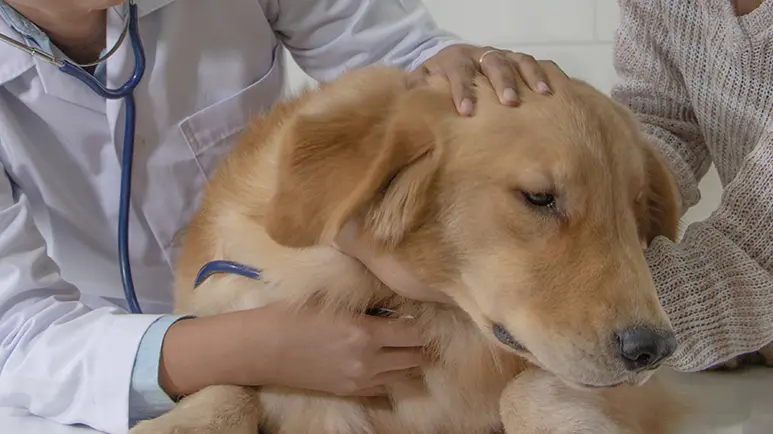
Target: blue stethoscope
126,92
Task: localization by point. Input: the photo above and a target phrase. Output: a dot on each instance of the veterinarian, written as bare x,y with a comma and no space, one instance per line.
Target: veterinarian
68,350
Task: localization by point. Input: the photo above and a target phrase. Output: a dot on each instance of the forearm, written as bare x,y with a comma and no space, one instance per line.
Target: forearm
59,358
65,362
215,350
717,283
651,85
719,301
328,37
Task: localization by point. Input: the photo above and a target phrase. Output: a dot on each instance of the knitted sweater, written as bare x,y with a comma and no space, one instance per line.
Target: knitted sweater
700,80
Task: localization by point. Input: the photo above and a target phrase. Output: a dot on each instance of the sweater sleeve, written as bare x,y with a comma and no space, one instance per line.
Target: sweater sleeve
652,86
716,283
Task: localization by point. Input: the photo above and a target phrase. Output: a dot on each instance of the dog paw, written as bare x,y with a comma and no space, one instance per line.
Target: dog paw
158,426
166,425
176,424
606,428
539,403
597,427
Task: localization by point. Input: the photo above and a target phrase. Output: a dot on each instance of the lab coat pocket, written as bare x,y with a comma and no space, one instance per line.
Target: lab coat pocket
213,131
210,134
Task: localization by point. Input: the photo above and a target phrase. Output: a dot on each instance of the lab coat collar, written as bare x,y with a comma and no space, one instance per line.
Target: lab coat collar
14,62
70,89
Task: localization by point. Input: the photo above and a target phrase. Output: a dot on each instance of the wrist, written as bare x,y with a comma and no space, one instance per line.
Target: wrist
229,349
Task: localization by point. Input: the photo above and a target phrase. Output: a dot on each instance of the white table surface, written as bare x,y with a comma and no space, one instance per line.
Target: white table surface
730,403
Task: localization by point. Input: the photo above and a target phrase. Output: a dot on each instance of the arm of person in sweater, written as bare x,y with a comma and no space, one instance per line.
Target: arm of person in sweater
652,86
716,284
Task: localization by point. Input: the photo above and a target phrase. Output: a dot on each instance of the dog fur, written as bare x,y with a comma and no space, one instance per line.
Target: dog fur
445,195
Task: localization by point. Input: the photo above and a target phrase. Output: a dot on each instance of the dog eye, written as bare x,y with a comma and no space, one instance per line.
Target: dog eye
541,200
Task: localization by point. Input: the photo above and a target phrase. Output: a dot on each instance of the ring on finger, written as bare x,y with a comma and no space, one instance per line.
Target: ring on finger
486,53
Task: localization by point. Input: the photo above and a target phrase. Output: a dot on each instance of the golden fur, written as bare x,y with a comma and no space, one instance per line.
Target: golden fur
444,194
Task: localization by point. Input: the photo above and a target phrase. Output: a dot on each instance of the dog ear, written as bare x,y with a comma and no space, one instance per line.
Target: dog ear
372,162
660,208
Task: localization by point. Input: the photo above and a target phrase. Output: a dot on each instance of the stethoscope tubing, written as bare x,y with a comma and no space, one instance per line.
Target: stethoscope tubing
125,92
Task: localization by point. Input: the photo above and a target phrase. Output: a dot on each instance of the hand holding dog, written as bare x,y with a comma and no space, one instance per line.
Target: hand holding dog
344,355
274,345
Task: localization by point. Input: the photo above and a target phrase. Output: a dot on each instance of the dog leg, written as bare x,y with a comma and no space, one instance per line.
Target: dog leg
537,402
213,410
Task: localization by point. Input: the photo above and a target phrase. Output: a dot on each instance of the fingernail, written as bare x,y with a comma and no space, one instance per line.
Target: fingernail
466,107
542,87
509,95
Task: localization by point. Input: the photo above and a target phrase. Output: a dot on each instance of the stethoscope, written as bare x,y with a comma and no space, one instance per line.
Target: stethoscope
126,92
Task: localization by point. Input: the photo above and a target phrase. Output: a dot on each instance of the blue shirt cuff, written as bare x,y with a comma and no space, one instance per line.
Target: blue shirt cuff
147,399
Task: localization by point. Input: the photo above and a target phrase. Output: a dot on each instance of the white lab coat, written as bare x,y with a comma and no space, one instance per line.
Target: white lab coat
65,353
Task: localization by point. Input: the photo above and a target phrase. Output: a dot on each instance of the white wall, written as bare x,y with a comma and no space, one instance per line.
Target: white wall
576,34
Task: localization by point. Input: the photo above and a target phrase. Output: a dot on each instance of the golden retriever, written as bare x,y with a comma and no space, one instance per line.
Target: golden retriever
532,219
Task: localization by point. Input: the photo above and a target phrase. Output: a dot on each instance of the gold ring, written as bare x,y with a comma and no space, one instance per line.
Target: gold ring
486,53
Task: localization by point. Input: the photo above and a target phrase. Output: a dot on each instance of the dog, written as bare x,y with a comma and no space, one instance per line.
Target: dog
531,219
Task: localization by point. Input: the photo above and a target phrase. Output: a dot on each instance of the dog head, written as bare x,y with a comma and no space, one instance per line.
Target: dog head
532,219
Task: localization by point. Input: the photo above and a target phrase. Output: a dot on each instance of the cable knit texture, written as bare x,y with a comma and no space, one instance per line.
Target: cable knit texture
700,80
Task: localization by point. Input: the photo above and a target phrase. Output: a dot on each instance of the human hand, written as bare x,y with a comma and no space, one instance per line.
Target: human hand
459,64
276,345
343,355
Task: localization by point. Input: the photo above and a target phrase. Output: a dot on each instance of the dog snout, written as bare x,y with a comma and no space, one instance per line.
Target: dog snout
643,348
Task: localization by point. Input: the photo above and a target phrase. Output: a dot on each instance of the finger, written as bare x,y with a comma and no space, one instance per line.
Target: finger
461,78
390,360
390,333
417,78
531,72
390,377
501,73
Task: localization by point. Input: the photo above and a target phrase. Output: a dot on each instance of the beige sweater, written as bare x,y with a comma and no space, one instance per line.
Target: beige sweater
701,81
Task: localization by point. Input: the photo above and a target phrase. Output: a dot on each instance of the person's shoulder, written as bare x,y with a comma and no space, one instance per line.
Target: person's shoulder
13,61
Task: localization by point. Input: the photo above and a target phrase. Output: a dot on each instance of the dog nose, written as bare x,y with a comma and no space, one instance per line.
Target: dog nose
643,348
